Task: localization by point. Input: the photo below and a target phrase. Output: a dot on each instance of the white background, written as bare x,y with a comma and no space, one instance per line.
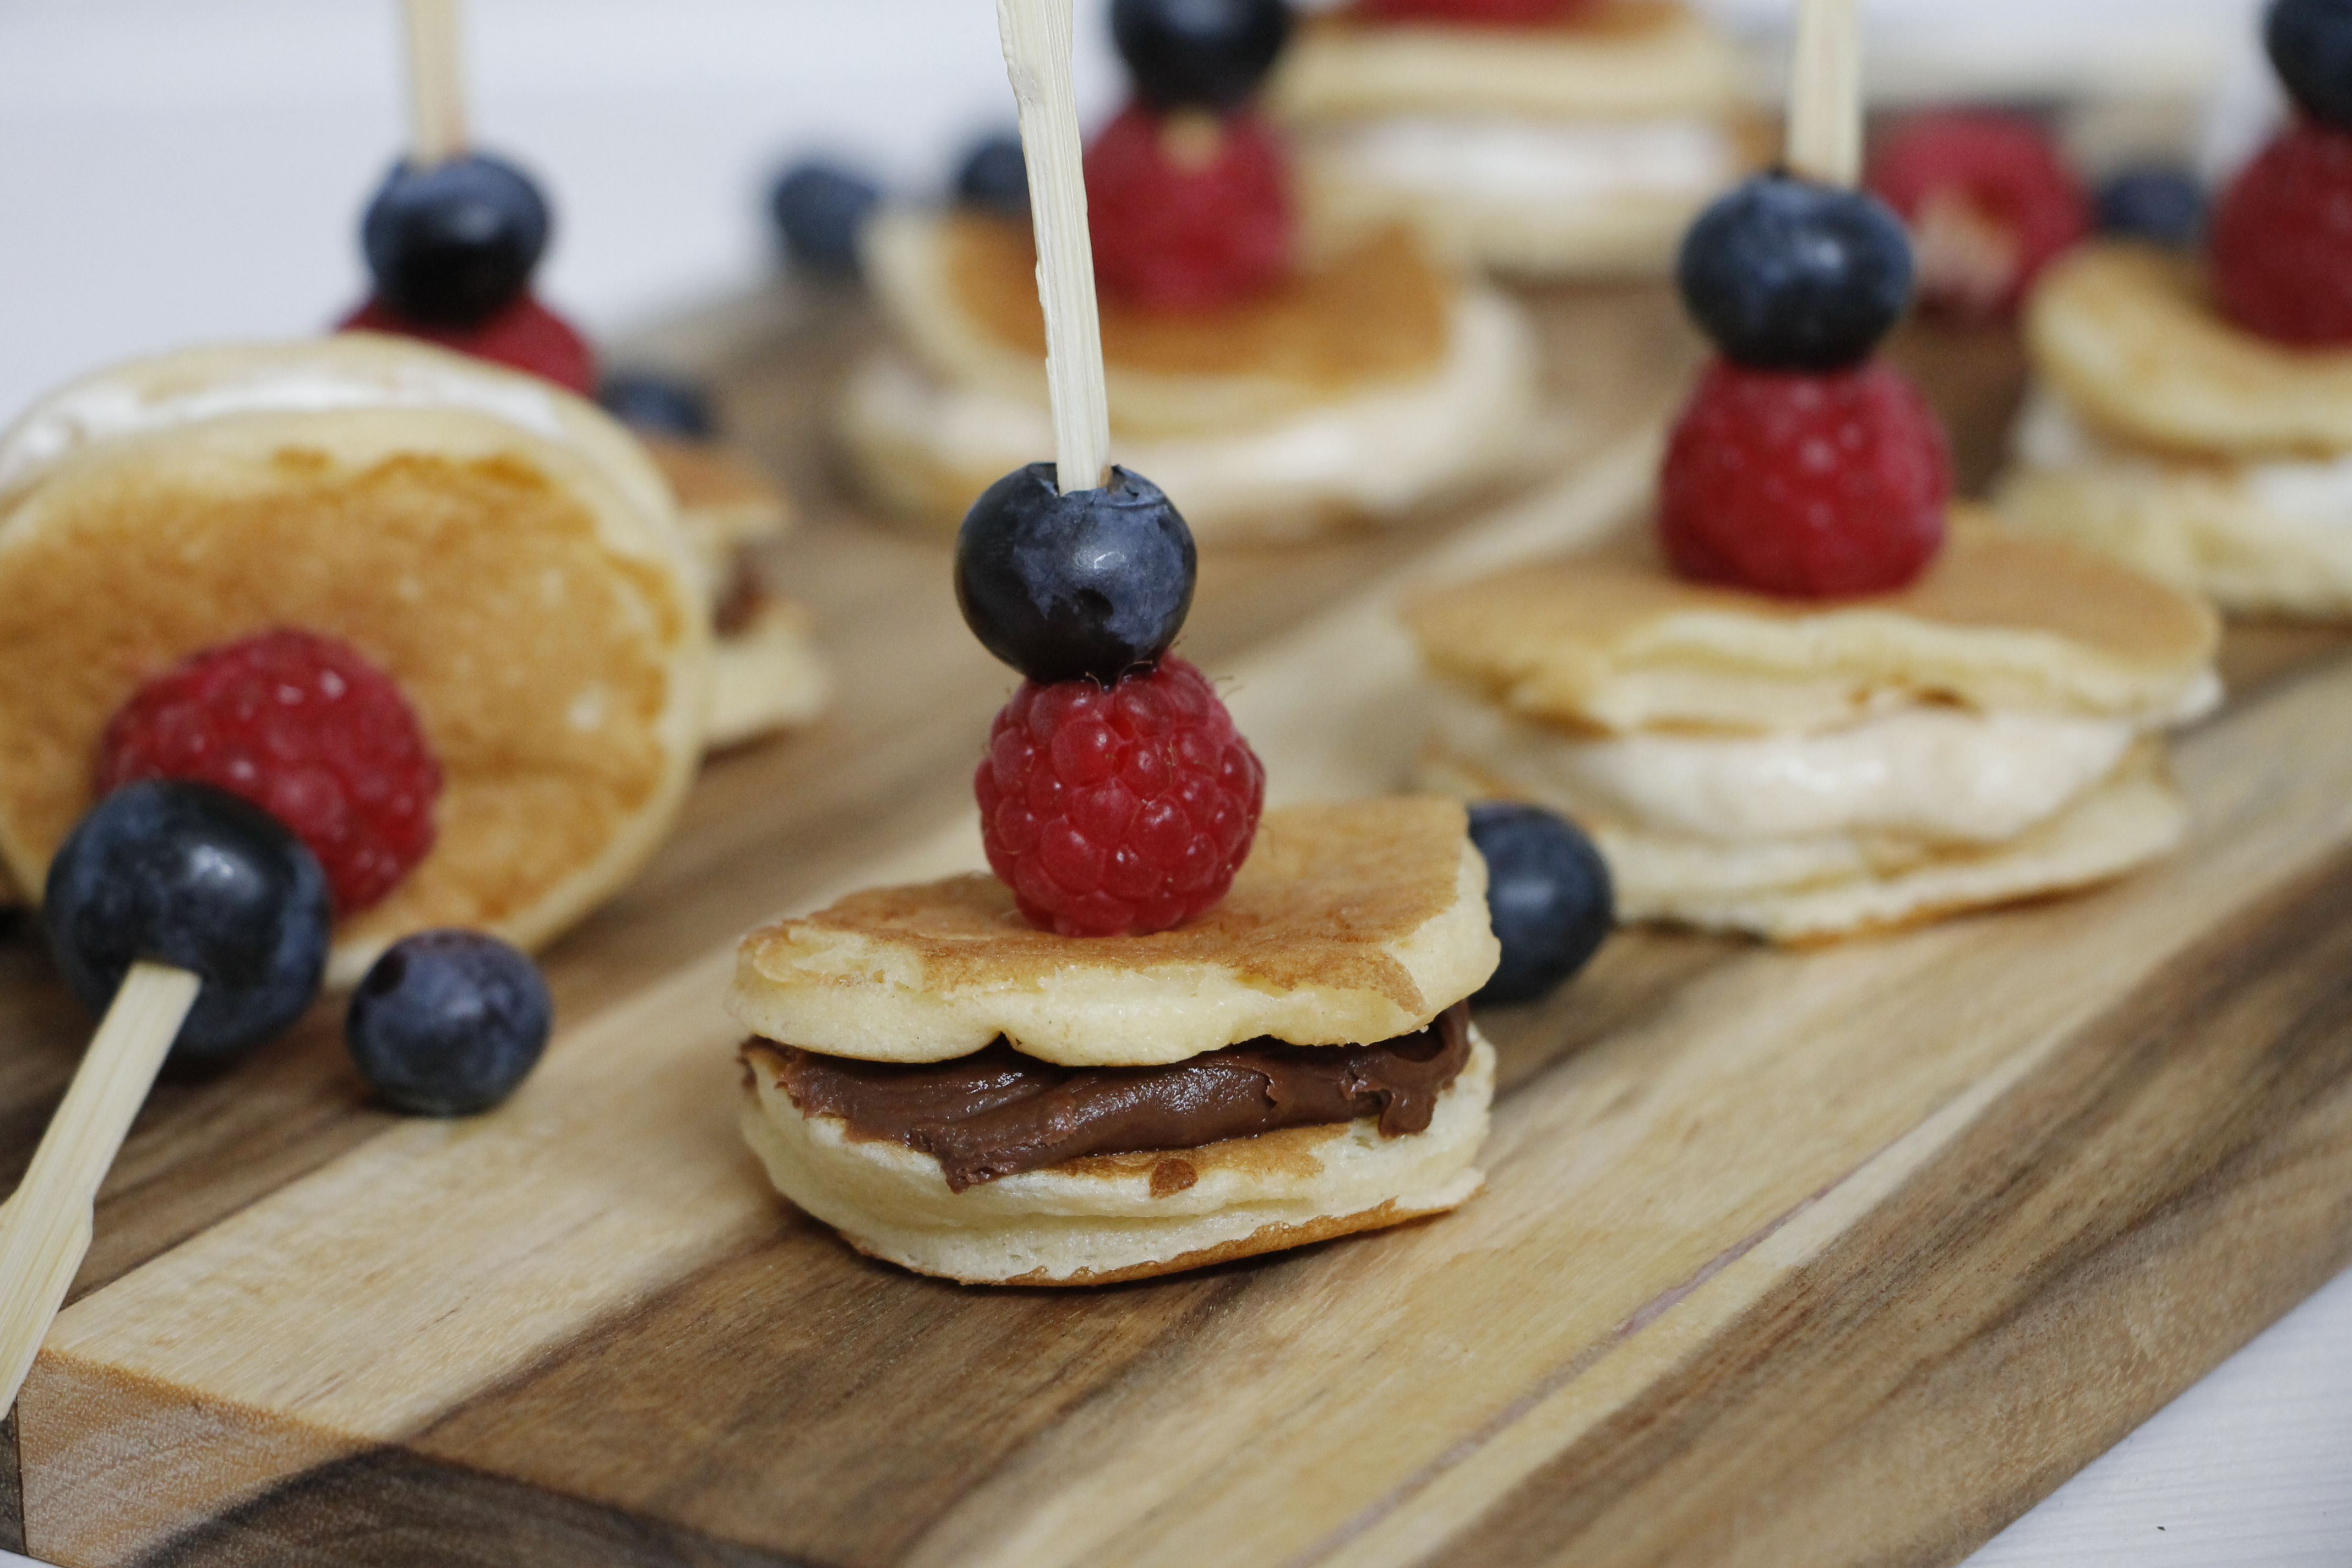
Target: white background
174,171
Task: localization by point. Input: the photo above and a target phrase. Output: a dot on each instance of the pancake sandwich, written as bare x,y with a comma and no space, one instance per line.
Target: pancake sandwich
1990,730
498,547
2197,420
1285,384
961,1093
1575,140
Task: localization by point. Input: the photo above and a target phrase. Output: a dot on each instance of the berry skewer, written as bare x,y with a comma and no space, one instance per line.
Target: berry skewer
197,922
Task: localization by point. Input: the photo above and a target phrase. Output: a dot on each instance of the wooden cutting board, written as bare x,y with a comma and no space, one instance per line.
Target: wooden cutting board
1838,1256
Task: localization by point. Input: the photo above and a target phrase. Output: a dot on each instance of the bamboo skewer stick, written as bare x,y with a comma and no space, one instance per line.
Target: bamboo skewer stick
436,88
45,1226
1036,35
1825,93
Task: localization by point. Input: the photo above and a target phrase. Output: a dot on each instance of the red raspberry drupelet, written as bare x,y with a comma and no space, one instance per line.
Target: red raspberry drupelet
306,729
2282,240
525,335
1122,810
1805,484
1188,213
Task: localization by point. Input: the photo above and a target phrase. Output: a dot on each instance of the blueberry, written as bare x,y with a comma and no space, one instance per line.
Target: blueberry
453,243
1548,893
995,177
191,876
818,208
2164,205
448,1022
1198,54
1089,583
2310,42
657,404
1784,274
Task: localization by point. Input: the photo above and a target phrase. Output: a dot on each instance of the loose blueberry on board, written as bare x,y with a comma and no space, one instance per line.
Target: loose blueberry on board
1198,54
193,876
2166,206
1548,893
1785,274
448,1022
658,404
2310,43
1086,584
994,176
451,244
818,208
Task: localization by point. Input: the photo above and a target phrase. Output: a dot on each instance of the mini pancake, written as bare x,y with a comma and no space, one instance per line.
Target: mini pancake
1348,923
501,547
1279,416
1107,1217
1578,148
2168,438
1998,621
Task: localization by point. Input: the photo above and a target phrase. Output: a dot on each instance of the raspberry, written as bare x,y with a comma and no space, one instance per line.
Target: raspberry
1990,203
1188,213
1474,13
2282,240
304,727
525,335
1120,810
1810,484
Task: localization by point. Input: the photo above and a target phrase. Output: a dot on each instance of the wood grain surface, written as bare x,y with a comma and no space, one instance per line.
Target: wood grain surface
1836,1257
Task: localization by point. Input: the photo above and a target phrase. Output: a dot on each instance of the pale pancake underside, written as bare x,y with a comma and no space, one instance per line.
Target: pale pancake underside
526,586
1850,885
1615,641
1348,923
1103,1218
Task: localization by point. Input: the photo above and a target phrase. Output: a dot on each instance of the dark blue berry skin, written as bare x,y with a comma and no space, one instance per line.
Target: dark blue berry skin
658,404
1784,274
193,876
994,178
818,208
454,244
448,1022
1198,54
2310,43
1087,584
2166,206
1548,893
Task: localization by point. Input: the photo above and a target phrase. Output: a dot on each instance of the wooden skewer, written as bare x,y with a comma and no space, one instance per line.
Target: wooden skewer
45,1226
436,90
1037,58
1825,93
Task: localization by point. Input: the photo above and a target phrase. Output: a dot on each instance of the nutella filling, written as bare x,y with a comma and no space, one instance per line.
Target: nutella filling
997,1112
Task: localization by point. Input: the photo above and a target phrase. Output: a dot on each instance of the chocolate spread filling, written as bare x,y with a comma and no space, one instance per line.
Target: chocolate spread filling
997,1112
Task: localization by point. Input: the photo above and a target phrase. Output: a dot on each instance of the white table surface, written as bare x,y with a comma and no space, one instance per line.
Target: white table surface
174,172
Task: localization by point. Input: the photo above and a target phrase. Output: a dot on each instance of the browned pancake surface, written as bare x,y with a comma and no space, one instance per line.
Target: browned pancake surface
1376,313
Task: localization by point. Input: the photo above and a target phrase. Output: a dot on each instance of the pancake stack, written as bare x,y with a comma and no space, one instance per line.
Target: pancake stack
1580,146
1802,771
2164,435
967,1096
499,546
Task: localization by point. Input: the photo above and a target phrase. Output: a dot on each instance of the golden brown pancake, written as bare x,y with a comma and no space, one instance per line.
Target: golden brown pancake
497,545
1348,923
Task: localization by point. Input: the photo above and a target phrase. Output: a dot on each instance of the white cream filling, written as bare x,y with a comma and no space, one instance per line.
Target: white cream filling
1944,774
1516,159
1383,450
109,408
2050,434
